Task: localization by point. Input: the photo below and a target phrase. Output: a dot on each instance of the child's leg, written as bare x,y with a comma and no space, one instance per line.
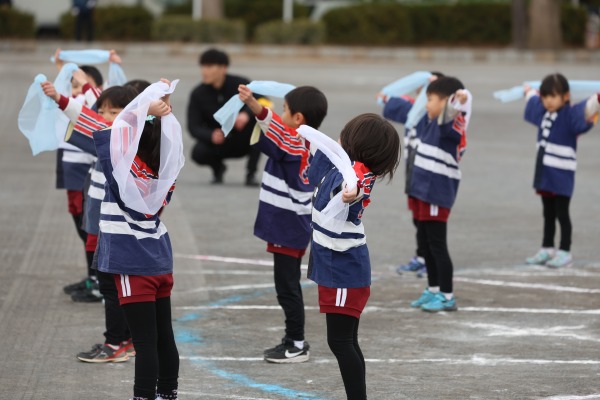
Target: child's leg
438,247
342,337
561,204
168,356
432,270
141,318
549,205
419,250
116,325
289,294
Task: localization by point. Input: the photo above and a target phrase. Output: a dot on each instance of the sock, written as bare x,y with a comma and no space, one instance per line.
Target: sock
448,296
112,346
299,344
434,289
162,396
421,260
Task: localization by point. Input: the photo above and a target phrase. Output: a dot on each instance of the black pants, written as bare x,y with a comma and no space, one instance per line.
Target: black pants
84,22
236,145
117,330
289,294
157,358
432,239
557,208
342,337
419,251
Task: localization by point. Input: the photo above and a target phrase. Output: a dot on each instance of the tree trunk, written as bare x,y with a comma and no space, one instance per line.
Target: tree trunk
544,17
519,23
212,9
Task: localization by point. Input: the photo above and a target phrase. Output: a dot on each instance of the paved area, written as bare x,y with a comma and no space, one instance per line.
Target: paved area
521,332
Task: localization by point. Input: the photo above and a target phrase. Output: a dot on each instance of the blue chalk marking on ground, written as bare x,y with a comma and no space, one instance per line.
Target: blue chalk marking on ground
183,335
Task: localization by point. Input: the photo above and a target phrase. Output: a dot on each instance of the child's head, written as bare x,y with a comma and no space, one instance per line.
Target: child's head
149,146
305,105
94,77
113,100
554,92
373,141
438,93
138,84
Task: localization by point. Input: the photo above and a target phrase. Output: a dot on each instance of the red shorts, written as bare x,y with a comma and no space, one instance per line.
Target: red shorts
288,251
139,289
75,199
91,242
545,194
350,301
429,212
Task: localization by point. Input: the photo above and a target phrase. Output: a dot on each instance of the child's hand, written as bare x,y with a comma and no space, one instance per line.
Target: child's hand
526,88
50,91
380,96
159,108
432,78
114,57
81,77
246,96
166,98
349,196
218,137
57,61
462,96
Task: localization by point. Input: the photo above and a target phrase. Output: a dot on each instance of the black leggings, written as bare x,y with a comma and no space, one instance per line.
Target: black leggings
157,358
557,207
419,251
342,337
432,238
117,330
289,294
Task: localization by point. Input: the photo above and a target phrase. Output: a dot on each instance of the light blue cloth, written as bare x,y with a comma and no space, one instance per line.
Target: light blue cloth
418,110
578,89
227,114
116,75
406,85
37,118
62,83
90,56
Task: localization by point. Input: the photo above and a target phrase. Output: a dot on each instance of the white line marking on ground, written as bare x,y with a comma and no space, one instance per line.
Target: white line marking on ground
231,260
228,288
553,331
474,360
403,309
225,272
530,272
555,288
204,395
569,397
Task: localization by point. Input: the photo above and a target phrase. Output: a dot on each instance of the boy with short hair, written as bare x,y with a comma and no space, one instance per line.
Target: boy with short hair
284,210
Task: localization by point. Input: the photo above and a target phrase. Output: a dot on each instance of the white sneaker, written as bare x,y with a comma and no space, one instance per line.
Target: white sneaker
562,259
541,257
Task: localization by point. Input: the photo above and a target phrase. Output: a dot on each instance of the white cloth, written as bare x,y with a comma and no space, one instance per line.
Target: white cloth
336,211
124,141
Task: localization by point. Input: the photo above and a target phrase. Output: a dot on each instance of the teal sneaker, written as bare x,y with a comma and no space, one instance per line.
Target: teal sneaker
541,257
426,297
562,259
439,303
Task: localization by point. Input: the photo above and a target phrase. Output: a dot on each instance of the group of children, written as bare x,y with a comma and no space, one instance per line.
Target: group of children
131,179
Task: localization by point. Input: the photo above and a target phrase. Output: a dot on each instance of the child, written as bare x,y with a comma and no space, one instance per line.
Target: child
434,183
134,245
117,345
339,263
559,125
394,110
283,219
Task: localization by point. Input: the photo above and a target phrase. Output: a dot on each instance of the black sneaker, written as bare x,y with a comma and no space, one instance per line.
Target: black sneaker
287,353
218,174
75,287
91,294
102,353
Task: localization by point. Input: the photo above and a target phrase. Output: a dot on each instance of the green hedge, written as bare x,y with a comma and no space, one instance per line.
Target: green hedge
16,24
114,23
300,31
183,28
458,24
257,12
